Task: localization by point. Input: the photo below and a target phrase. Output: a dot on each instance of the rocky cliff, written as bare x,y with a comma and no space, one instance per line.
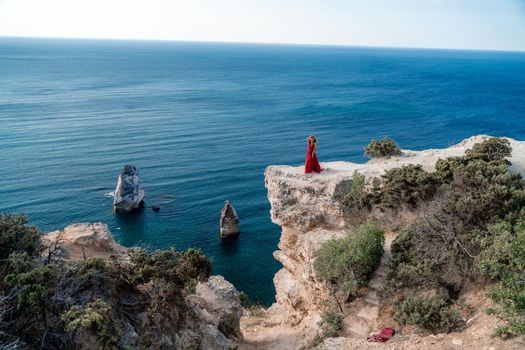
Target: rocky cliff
214,308
308,208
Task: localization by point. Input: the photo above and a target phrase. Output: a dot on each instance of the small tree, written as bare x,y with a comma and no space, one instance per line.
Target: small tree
17,237
346,264
405,187
503,259
495,148
331,325
435,314
356,202
382,148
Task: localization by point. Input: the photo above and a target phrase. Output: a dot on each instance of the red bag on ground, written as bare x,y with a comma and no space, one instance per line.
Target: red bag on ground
382,337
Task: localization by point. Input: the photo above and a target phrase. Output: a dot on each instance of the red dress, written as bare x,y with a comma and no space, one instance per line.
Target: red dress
311,164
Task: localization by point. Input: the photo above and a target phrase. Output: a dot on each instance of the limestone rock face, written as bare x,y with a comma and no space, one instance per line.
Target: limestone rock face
229,221
221,300
308,208
129,194
91,240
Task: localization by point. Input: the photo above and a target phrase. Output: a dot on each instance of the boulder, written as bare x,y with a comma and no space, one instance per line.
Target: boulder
129,194
221,301
229,221
80,241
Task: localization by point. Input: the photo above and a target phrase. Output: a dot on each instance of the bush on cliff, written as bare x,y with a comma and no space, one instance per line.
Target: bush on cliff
355,198
503,259
345,264
356,203
398,189
48,303
94,317
453,238
382,148
435,314
403,187
493,149
331,325
17,237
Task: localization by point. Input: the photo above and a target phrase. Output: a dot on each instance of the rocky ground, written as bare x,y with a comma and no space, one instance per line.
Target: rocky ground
477,336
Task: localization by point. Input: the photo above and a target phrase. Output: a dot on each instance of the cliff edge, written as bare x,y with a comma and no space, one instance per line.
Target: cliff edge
308,208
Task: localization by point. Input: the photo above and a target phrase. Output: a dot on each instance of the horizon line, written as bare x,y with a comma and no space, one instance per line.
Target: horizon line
262,43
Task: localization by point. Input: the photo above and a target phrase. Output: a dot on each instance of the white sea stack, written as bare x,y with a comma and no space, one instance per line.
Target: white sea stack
129,194
229,222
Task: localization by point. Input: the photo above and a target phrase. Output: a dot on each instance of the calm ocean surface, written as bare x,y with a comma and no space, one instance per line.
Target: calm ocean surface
202,121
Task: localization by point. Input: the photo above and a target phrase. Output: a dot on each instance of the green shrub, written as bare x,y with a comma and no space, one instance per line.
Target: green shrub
227,325
34,282
503,259
44,301
355,198
159,264
346,264
434,314
245,300
493,149
503,255
407,186
96,274
177,269
444,240
331,325
382,148
95,318
407,267
444,168
193,264
356,202
17,237
510,306
484,192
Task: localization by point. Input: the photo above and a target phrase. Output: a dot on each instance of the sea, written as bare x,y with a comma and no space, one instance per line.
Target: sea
201,122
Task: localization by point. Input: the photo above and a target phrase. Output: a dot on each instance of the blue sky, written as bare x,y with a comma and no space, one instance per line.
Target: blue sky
462,24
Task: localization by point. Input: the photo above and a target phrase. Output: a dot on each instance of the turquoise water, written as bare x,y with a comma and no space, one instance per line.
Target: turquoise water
202,121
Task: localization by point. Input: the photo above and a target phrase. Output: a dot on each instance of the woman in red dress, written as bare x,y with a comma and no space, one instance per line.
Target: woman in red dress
312,164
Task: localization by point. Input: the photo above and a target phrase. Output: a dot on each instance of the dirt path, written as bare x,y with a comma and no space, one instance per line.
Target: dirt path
361,315
259,334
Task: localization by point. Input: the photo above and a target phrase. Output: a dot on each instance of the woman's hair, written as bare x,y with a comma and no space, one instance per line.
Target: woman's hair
311,137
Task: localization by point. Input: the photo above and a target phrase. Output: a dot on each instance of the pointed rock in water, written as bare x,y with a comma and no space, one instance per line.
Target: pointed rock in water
129,194
229,221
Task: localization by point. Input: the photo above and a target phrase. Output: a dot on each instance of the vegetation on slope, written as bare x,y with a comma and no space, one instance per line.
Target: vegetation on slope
469,225
47,303
345,264
330,325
